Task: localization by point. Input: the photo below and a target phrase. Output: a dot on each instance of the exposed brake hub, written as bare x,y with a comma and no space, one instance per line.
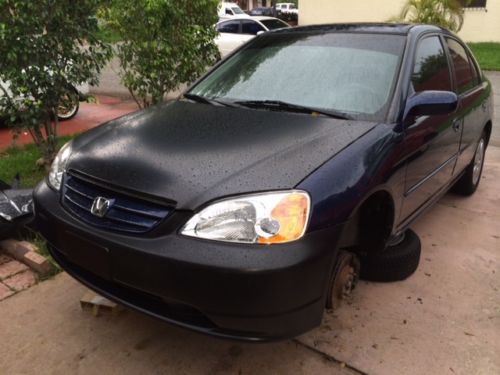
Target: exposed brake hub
344,279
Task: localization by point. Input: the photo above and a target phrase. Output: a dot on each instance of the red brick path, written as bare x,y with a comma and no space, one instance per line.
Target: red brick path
89,116
14,277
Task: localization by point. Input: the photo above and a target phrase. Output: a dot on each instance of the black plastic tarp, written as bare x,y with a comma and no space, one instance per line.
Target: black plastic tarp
15,209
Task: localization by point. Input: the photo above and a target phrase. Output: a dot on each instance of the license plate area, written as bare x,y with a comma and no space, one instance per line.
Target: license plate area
87,254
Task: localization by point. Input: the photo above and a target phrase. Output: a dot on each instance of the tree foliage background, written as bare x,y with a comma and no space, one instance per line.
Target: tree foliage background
446,13
165,43
44,45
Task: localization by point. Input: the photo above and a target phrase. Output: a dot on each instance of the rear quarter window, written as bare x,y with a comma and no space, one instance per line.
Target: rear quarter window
273,24
251,27
465,73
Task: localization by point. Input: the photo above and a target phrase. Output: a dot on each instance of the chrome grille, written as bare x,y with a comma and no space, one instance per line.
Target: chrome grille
125,214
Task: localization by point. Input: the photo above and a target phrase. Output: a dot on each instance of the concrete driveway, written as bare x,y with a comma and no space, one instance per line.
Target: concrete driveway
445,319
494,77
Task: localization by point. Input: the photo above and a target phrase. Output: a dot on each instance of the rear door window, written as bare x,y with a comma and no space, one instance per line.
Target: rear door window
232,27
430,69
465,73
251,27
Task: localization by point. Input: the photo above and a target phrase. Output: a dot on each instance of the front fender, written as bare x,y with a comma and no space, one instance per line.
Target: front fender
372,163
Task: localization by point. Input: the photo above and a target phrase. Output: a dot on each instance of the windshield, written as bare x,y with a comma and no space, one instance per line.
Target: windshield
274,24
341,72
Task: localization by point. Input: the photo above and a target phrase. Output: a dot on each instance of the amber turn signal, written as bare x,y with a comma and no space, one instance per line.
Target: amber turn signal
292,214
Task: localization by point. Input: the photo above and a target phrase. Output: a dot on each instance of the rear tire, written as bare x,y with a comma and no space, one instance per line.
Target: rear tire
394,263
468,183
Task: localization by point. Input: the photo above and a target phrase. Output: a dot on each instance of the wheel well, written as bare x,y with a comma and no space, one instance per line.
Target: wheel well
487,130
371,226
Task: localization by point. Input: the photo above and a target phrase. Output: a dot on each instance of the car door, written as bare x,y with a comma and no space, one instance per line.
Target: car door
473,94
229,37
431,142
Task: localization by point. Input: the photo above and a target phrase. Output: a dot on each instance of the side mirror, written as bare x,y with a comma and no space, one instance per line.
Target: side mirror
260,32
427,103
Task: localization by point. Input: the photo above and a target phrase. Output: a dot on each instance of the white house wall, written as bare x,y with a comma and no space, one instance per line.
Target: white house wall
480,24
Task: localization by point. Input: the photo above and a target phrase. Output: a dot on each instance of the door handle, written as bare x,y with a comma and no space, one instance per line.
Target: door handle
456,124
484,106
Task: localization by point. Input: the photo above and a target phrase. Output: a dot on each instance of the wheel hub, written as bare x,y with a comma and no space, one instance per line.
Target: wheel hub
345,279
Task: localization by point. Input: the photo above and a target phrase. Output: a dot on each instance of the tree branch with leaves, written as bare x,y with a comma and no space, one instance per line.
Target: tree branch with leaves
46,46
165,43
445,13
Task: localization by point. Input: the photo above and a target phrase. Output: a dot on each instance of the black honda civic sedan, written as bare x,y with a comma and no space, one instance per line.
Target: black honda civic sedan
250,204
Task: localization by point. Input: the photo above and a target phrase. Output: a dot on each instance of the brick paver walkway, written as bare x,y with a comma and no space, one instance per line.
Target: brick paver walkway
14,277
89,116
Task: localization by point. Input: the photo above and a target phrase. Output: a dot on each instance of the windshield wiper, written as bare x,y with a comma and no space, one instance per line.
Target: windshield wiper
278,105
205,100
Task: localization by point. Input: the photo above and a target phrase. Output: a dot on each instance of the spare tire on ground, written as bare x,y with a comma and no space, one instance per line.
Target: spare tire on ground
394,263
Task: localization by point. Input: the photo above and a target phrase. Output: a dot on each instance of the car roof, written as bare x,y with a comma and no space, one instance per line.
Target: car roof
380,28
246,17
263,18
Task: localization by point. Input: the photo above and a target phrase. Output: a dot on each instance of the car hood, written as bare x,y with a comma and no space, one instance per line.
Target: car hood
192,153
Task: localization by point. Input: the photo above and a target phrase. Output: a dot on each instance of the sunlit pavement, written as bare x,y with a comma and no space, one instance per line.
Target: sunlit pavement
494,78
89,116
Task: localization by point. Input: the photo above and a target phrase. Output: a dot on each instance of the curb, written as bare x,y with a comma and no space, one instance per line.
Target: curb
26,253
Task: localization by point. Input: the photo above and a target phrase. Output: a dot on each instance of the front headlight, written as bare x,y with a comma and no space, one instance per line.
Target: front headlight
266,218
59,166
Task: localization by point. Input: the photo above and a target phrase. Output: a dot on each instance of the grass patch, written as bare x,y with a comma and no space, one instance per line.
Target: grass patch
487,54
22,160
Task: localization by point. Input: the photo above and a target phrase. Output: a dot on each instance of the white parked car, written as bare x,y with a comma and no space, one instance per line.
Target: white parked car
287,8
230,10
239,30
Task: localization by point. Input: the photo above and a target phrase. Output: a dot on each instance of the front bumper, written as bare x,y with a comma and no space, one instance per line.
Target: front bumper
248,292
